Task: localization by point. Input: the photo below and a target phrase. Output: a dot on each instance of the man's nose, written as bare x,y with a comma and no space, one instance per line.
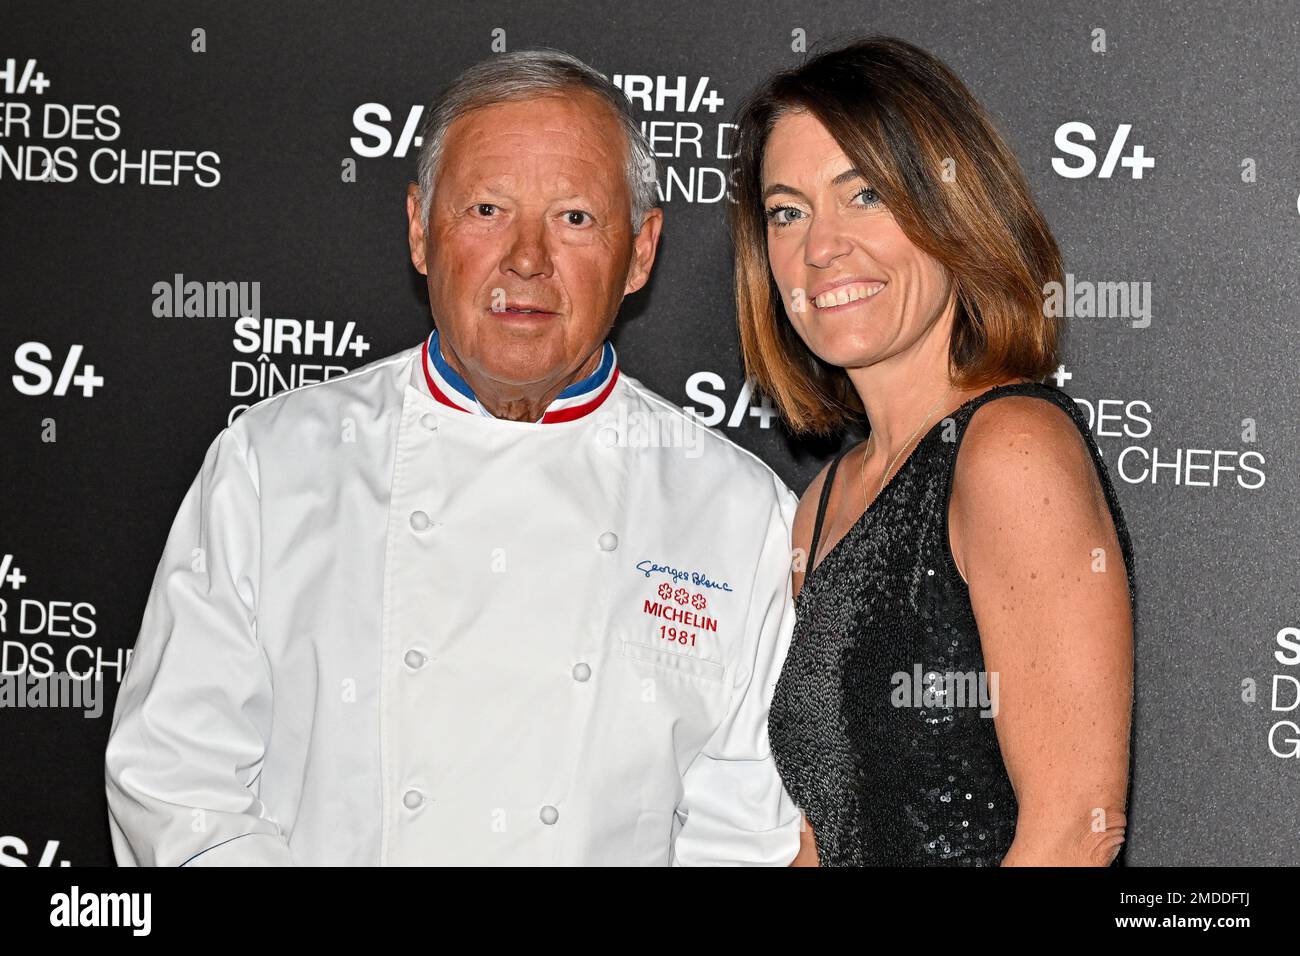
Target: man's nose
528,255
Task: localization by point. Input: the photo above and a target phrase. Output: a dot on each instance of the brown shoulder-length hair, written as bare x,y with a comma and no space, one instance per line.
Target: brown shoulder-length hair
911,128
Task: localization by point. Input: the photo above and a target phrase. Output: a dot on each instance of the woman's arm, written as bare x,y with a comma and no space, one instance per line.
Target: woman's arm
1035,540
807,855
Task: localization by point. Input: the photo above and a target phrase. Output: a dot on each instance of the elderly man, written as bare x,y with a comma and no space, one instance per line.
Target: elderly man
467,604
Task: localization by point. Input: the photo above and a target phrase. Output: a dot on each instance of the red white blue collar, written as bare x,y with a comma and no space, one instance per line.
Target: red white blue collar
581,398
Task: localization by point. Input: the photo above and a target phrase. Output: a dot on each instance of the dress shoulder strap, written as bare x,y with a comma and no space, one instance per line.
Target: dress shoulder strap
821,507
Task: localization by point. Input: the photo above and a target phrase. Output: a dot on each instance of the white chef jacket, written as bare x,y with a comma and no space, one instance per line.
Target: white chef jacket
384,631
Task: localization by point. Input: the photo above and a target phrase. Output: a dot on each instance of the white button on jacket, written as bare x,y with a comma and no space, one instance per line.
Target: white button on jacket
385,631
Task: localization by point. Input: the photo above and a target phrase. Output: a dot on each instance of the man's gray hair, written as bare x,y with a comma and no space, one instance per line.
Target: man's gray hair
525,74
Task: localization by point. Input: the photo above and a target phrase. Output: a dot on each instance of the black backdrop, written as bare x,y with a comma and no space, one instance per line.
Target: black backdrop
229,143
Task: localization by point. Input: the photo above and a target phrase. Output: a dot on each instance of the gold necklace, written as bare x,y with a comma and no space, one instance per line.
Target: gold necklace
883,478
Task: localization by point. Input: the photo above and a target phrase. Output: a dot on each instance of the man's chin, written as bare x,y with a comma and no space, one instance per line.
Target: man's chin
513,364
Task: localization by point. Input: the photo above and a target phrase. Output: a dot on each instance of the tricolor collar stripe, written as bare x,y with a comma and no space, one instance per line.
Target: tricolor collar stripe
437,392
581,398
448,375
592,382
571,412
440,387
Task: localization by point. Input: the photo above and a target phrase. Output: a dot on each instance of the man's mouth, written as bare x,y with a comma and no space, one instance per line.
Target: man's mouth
520,308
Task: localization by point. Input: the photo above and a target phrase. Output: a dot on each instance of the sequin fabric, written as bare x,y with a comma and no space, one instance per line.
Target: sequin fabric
886,772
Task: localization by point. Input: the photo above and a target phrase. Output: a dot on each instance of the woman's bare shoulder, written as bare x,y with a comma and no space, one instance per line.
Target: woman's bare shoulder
1021,459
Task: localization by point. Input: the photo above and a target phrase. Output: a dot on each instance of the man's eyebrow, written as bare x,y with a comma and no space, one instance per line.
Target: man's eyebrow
847,176
495,188
504,189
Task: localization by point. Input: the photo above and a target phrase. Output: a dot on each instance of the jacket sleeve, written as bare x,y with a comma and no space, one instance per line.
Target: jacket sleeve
193,713
737,810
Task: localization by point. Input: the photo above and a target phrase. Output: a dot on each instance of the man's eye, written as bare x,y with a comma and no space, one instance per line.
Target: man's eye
485,208
577,217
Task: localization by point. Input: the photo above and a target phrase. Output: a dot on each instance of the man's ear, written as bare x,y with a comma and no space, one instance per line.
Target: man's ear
644,245
415,227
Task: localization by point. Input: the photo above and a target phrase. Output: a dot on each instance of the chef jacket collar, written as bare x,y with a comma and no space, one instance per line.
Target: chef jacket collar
581,398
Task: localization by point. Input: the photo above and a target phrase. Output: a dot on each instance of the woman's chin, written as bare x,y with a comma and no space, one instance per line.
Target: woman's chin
845,354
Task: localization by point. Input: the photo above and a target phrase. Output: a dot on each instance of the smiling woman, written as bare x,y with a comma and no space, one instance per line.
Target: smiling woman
891,263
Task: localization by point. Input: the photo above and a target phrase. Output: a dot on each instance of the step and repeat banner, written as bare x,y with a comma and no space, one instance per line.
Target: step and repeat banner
203,205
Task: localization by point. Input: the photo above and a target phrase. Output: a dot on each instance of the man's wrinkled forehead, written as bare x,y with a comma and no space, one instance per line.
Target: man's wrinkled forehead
570,141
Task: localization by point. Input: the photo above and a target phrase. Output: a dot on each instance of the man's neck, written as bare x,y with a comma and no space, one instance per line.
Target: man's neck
523,404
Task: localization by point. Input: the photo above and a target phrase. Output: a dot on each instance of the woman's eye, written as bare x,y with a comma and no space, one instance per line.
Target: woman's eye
577,217
872,198
776,216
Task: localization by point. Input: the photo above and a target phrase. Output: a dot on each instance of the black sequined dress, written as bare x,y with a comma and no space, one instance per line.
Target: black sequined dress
883,778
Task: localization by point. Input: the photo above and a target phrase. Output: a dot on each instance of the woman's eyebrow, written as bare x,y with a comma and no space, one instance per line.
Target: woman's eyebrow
847,176
781,188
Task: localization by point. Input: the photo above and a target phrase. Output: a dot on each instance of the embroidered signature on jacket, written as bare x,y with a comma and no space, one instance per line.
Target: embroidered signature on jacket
696,578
